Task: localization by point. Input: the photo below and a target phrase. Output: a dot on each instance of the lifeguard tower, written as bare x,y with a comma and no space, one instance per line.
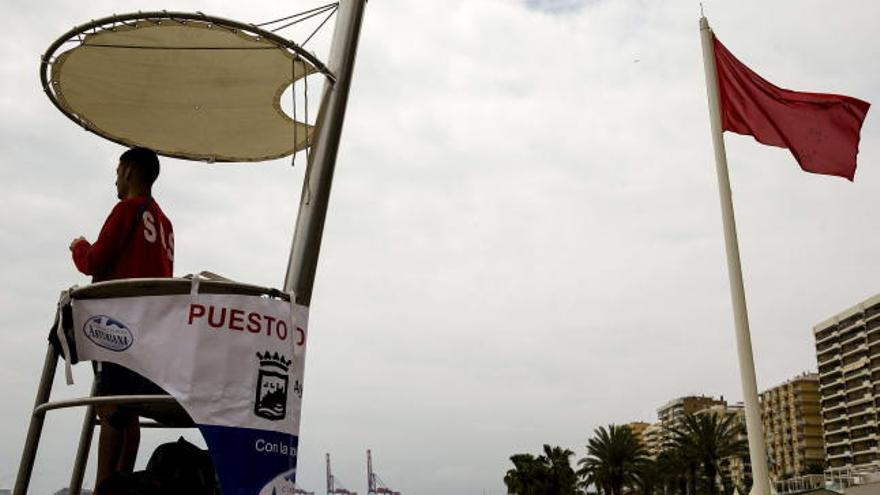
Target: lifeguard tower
230,354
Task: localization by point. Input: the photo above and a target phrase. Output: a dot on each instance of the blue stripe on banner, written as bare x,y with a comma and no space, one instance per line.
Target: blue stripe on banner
252,462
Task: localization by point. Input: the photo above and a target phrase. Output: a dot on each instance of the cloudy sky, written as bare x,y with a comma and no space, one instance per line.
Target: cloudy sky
524,238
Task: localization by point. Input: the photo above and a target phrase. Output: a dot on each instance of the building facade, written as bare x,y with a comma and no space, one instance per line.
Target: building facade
793,428
638,429
848,355
657,436
670,414
652,439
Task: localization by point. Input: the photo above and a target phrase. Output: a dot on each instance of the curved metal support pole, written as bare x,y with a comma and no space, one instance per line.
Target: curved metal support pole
82,451
301,267
35,429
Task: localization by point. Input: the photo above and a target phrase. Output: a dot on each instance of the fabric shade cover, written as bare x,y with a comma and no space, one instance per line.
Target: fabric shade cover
185,88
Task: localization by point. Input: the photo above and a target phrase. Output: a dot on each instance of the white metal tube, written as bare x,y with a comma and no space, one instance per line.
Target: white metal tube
104,399
35,428
85,444
754,428
315,196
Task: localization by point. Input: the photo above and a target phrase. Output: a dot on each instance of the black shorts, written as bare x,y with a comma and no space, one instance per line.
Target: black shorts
113,379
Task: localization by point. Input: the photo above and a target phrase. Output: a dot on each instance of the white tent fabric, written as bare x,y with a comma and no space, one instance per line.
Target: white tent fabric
188,89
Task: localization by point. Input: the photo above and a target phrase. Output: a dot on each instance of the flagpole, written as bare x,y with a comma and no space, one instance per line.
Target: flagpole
754,427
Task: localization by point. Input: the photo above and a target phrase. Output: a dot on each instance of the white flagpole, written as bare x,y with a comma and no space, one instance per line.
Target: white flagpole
754,428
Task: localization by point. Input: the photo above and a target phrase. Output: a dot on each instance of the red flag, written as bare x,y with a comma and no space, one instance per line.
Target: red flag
820,130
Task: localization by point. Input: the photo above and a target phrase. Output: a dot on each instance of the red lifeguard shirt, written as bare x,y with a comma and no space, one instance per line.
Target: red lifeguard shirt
136,241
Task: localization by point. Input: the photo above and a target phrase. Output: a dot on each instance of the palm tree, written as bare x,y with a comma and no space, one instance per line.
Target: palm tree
527,476
614,459
708,439
547,474
650,478
672,472
676,470
561,478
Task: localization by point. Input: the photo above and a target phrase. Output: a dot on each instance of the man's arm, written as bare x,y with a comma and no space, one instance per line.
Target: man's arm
99,258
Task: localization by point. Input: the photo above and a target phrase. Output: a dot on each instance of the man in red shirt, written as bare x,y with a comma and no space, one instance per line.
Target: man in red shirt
136,241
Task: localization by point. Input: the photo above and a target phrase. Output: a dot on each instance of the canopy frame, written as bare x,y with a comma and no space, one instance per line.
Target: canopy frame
112,22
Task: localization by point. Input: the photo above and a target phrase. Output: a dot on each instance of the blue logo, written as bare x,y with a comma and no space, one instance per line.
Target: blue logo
108,333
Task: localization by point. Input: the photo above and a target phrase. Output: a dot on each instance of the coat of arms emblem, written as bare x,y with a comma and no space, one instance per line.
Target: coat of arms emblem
271,394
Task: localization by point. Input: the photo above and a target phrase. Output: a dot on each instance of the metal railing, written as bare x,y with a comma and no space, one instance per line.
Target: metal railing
42,405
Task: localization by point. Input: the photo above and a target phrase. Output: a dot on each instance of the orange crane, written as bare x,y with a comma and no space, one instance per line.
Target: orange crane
333,486
375,485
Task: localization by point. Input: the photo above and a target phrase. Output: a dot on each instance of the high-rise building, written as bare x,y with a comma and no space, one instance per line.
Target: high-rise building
671,413
638,430
652,439
793,427
848,354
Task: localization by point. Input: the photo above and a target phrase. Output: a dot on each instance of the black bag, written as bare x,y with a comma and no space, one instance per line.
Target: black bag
175,468
183,468
137,483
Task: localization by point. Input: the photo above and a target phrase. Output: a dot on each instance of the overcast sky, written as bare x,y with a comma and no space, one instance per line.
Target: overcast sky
524,239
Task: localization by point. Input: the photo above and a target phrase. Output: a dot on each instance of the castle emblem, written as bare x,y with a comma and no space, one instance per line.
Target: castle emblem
272,380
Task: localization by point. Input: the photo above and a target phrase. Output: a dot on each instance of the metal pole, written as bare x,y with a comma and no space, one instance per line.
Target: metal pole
306,245
329,475
82,451
754,427
371,483
35,429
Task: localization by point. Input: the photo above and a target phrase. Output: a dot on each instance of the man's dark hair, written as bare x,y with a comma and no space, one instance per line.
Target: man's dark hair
145,163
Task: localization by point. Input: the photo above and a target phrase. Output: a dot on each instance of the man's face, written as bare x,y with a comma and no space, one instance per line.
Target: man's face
123,180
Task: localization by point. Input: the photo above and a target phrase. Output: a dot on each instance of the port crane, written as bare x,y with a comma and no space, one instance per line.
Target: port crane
333,485
375,485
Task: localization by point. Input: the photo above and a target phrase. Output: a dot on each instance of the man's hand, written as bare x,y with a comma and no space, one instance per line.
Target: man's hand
73,242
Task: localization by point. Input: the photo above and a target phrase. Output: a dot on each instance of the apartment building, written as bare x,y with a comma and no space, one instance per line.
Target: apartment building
793,427
638,430
657,435
848,355
670,414
652,439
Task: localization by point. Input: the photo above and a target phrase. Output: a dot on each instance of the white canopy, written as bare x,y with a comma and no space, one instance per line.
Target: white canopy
186,88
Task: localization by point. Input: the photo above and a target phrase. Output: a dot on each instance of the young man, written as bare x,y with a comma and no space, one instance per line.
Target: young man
136,241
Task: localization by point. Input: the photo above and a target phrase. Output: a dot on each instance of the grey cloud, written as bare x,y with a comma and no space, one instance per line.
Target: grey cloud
558,6
524,238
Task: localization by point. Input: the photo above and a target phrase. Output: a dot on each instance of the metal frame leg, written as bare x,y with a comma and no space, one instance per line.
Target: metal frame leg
35,429
85,445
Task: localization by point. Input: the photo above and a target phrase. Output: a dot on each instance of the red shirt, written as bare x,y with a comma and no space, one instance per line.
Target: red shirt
136,241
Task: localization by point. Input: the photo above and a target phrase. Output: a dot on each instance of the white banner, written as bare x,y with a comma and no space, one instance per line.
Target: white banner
234,362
